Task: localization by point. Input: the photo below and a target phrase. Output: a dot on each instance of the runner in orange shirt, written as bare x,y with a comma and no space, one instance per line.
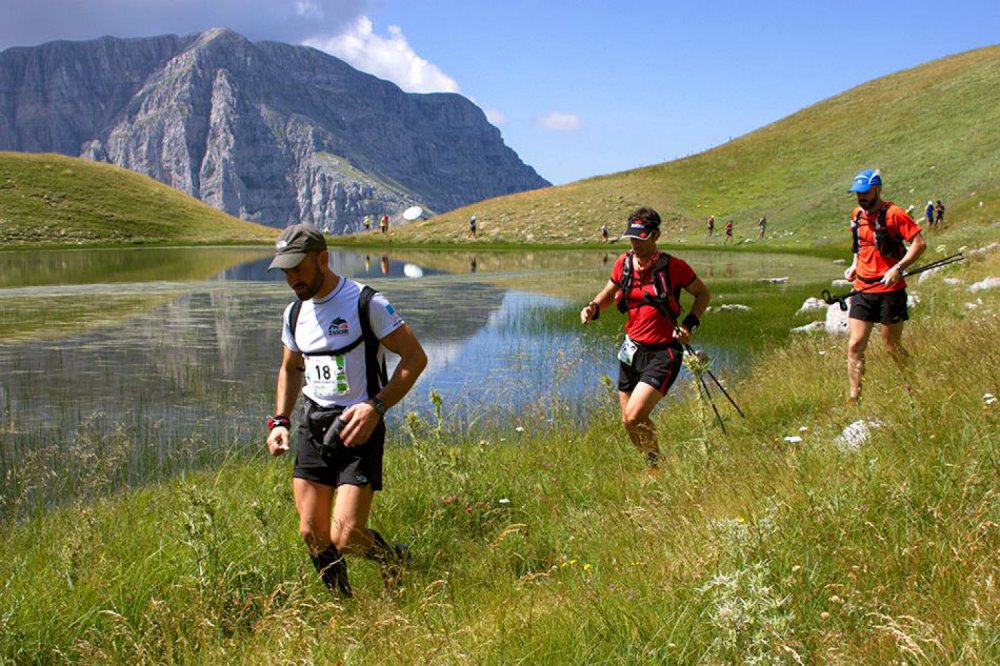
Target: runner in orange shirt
879,229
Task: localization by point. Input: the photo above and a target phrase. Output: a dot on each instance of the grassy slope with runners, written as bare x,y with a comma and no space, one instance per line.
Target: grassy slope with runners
749,548
52,200
930,129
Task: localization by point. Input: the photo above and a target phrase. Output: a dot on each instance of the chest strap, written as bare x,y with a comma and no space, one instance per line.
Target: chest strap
376,374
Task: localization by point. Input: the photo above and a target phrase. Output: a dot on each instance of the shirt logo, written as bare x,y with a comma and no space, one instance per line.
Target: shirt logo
389,309
282,244
338,327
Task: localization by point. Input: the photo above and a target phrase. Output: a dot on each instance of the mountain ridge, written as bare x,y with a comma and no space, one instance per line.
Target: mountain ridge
240,125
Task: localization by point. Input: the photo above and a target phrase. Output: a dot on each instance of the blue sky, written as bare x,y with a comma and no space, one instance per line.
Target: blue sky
577,88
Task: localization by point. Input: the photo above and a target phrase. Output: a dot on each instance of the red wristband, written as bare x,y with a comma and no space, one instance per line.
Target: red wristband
278,421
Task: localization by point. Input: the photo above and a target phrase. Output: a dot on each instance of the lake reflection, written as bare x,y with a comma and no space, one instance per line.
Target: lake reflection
177,351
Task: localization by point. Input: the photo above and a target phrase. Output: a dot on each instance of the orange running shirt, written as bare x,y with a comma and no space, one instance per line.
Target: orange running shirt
871,264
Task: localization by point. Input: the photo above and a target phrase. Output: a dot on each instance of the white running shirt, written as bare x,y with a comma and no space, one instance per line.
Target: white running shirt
331,324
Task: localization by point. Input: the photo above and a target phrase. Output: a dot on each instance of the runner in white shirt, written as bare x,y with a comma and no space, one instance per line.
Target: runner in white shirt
333,341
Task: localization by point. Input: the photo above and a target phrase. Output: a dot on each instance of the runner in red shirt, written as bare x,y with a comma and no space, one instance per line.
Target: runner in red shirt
879,229
646,284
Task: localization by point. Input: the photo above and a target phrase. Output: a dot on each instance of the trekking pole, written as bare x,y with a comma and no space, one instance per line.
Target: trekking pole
708,395
719,384
841,299
665,311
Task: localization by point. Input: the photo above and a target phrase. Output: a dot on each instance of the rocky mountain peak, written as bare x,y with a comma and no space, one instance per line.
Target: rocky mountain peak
262,130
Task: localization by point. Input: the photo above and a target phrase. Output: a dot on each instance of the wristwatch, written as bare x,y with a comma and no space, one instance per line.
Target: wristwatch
378,405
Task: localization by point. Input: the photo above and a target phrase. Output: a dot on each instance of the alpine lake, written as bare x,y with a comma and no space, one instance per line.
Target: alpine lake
120,367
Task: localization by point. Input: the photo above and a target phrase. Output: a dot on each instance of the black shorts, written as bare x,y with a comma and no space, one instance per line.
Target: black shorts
888,307
657,367
335,464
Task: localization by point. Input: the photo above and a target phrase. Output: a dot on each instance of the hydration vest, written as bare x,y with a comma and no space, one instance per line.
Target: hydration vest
889,246
661,283
376,374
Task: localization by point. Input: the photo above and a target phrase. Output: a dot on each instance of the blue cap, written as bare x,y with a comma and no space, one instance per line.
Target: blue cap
866,180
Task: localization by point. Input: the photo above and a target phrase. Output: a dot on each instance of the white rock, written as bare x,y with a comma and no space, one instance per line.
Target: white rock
972,306
912,300
812,304
986,249
952,281
836,319
983,285
812,327
856,434
794,439
734,307
840,283
840,262
777,280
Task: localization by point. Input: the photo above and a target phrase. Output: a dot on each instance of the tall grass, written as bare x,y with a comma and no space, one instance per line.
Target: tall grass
545,546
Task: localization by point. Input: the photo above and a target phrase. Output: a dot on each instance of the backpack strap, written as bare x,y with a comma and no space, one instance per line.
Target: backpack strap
376,374
625,284
293,316
856,244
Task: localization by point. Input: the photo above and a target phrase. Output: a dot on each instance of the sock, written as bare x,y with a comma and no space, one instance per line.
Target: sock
380,551
332,568
652,458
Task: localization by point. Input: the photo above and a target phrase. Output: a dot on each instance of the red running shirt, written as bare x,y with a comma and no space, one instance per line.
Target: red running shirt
645,324
871,264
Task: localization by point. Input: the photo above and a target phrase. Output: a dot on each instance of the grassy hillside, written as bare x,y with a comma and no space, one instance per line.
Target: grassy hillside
931,129
56,200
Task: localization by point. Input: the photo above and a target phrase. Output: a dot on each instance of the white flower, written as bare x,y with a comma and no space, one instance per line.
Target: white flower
504,500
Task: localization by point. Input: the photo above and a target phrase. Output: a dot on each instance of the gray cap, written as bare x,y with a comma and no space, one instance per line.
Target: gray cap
294,242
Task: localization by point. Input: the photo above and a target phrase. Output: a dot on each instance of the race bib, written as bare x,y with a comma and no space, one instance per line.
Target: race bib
627,351
327,376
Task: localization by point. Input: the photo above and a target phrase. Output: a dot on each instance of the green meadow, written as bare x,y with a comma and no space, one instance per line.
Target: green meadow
546,545
51,200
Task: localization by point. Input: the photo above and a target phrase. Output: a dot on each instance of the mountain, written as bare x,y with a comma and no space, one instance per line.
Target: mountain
931,129
263,131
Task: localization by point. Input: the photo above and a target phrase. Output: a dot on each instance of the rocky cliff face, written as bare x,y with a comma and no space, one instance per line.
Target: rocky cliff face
265,131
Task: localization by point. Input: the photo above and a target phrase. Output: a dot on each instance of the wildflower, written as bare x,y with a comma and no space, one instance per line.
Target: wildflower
804,429
725,613
519,429
503,500
989,398
824,616
586,567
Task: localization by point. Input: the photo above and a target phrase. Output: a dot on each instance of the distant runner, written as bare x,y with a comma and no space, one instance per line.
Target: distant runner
761,226
472,226
939,212
646,286
929,214
604,233
879,229
729,233
383,223
710,226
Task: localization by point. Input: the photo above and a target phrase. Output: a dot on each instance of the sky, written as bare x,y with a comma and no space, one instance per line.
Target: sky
577,88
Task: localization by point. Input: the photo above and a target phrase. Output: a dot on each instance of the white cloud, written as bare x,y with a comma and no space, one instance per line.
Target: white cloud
561,122
389,57
495,117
